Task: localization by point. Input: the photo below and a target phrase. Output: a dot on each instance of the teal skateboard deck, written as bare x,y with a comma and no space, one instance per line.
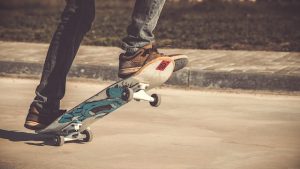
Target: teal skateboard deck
74,124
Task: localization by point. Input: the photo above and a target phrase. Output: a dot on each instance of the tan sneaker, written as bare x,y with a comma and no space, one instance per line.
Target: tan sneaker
130,64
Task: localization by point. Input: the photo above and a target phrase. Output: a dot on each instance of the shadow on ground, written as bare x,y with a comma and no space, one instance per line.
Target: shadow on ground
28,138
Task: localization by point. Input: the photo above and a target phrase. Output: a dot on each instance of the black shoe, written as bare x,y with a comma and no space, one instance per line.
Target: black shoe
37,120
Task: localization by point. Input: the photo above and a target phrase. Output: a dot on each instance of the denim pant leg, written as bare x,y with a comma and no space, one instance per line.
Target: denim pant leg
76,21
144,19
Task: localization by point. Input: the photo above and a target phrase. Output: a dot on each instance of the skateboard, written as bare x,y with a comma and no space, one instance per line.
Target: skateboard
74,124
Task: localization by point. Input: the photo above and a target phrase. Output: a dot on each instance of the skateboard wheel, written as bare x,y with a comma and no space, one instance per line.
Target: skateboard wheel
88,135
59,140
157,100
127,94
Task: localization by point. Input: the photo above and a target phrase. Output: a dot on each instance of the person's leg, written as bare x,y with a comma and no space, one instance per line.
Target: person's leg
144,19
138,44
76,20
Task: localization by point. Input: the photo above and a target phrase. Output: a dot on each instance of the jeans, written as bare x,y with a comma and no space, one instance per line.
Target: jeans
75,22
144,19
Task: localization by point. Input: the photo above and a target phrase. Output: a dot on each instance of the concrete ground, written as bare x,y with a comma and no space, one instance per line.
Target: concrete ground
192,129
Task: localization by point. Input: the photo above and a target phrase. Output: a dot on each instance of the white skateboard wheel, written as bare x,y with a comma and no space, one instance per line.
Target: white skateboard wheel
127,94
157,100
88,135
59,140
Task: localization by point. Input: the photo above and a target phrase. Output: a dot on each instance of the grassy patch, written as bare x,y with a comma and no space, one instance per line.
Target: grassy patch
209,25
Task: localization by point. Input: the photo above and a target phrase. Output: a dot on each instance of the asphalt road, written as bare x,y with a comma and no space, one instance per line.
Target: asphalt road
190,130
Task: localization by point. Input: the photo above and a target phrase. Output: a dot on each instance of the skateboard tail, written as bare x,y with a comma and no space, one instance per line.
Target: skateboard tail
156,72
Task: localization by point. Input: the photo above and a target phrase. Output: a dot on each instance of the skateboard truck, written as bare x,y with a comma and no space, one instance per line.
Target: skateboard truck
71,133
141,94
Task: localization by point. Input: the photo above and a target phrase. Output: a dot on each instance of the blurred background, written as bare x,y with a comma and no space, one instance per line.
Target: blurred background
203,24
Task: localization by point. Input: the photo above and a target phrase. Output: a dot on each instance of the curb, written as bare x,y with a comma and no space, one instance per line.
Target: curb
188,77
243,80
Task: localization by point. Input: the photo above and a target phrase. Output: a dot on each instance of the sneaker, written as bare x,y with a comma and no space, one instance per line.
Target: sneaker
37,120
130,64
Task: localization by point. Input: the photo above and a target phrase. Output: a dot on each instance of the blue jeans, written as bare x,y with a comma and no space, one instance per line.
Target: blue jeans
75,22
144,19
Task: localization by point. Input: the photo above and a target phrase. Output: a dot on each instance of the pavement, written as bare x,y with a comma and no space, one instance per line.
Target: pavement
254,70
192,129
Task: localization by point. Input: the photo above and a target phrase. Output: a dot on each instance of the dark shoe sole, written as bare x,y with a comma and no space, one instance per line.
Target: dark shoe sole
128,72
180,63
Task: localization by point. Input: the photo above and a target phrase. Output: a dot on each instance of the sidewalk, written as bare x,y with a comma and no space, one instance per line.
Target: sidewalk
256,70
